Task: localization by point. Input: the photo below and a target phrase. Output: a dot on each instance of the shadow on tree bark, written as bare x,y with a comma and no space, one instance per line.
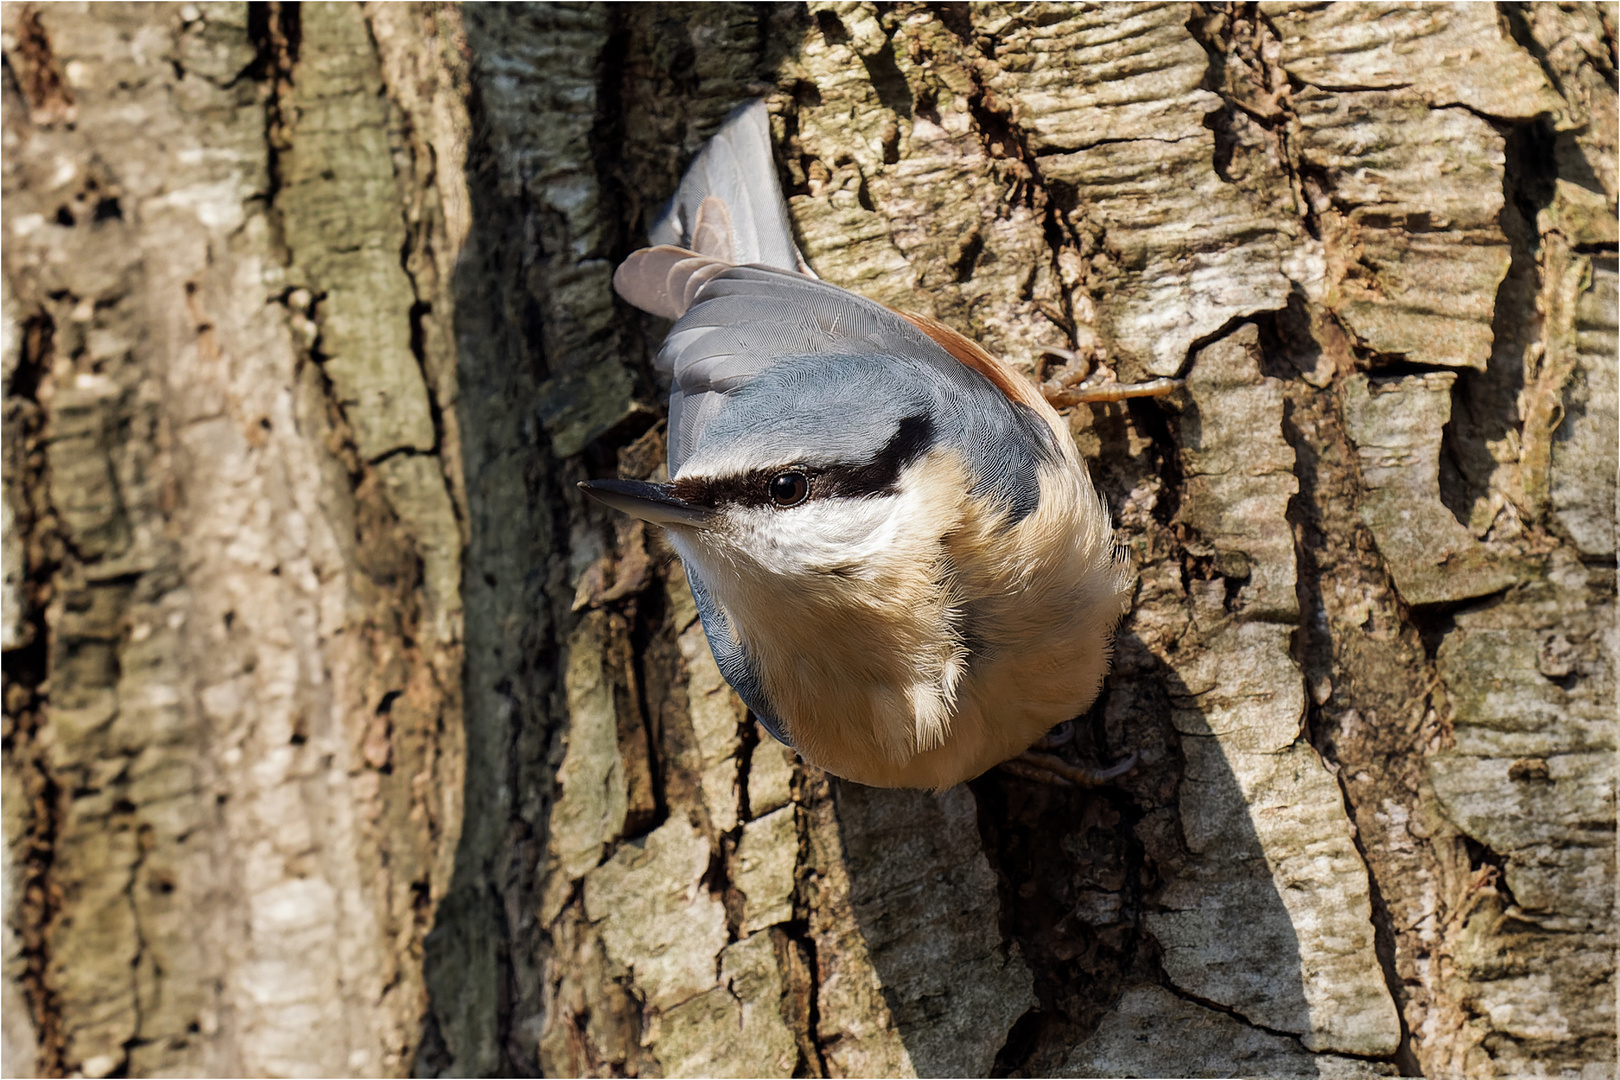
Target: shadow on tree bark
331,337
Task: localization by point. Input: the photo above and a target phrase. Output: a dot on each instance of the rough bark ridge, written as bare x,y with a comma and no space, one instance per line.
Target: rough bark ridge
233,618
309,333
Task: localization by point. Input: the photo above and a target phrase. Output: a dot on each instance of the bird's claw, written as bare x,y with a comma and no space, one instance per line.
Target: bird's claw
1051,769
1080,382
1062,397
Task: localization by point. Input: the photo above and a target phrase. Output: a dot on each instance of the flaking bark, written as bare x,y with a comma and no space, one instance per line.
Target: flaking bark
342,736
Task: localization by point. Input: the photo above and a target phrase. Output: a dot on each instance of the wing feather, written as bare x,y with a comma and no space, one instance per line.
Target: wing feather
665,280
714,235
735,169
734,322
731,656
1001,376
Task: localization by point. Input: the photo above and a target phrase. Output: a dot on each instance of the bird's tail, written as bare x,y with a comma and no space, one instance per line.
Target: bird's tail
729,205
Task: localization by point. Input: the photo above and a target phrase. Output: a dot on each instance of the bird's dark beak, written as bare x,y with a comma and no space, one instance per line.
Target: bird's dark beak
649,502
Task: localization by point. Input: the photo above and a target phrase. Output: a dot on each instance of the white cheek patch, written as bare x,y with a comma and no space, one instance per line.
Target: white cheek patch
818,538
841,535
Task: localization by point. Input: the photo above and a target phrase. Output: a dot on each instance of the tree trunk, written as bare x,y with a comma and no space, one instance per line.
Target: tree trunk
343,737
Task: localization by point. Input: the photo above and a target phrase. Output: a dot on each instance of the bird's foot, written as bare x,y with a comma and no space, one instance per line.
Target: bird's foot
1090,393
1079,383
1051,769
1062,735
1076,366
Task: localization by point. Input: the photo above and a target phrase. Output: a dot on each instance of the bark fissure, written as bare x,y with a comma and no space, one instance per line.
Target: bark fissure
365,339
26,679
1226,1010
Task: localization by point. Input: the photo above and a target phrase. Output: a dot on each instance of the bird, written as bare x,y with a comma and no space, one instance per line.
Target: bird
898,556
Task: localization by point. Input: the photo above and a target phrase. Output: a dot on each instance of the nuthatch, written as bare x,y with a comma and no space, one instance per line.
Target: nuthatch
899,560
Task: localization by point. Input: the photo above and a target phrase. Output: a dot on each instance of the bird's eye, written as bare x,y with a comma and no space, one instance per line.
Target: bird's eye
789,488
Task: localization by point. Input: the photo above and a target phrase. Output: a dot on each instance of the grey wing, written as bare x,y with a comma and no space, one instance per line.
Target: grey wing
736,167
732,657
745,318
665,280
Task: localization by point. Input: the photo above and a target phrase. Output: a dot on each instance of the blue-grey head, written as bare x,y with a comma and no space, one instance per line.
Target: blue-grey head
808,468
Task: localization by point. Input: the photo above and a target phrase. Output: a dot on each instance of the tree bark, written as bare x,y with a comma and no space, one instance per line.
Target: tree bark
342,736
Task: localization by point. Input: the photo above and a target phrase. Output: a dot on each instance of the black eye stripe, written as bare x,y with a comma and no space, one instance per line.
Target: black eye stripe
749,489
880,476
